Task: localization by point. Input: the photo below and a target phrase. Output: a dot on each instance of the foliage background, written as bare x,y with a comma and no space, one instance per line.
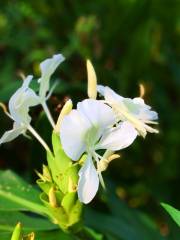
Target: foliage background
129,42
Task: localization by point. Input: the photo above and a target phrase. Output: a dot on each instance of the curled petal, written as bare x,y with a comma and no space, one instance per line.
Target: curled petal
88,182
73,130
109,94
47,69
21,101
118,138
12,134
145,112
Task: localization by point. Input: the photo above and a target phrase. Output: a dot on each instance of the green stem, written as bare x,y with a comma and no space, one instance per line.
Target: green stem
48,114
39,138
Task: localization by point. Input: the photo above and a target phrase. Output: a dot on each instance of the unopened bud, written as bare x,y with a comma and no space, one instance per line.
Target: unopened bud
17,232
52,198
92,80
65,110
30,236
71,186
46,173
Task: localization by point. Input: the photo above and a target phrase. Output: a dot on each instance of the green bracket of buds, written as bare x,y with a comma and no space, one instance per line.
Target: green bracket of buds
17,234
59,185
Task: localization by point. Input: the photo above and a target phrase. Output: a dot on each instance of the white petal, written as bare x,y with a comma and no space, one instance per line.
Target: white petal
101,89
118,138
97,113
145,112
12,134
21,101
72,133
109,94
88,182
47,69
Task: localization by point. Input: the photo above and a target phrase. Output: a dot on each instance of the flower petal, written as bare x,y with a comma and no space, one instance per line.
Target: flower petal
145,112
72,133
118,138
12,134
47,69
88,181
21,100
109,94
97,113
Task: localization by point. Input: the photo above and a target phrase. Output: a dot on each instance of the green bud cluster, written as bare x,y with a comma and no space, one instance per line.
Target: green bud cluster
58,182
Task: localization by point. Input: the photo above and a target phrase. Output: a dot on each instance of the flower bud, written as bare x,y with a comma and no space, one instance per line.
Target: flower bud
52,198
17,232
65,110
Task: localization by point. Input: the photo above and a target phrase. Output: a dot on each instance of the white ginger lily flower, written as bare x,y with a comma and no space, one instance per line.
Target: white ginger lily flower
133,110
19,105
47,68
86,130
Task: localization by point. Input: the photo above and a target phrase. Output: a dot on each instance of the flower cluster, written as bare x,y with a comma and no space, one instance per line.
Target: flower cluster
96,129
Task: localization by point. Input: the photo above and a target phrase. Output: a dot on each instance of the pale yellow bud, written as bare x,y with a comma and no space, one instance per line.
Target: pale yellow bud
65,110
52,198
92,80
30,236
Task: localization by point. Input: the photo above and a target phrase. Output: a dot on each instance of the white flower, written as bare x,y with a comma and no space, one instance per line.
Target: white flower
86,130
133,110
19,105
48,67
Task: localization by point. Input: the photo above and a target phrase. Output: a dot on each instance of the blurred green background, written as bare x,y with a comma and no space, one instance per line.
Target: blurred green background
129,42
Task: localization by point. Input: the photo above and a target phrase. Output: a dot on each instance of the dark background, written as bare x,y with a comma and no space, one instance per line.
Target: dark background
129,42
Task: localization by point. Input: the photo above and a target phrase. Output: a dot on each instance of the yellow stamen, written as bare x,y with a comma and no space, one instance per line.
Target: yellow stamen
142,90
4,108
92,80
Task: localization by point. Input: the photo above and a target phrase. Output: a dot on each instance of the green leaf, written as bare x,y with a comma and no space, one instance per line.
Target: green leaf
29,222
43,235
173,212
16,194
92,234
53,235
122,222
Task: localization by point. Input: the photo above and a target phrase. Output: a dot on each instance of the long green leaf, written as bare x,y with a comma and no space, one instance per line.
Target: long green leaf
173,212
16,194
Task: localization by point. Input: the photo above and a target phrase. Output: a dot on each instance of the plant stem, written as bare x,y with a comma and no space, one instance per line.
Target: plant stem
38,137
48,114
